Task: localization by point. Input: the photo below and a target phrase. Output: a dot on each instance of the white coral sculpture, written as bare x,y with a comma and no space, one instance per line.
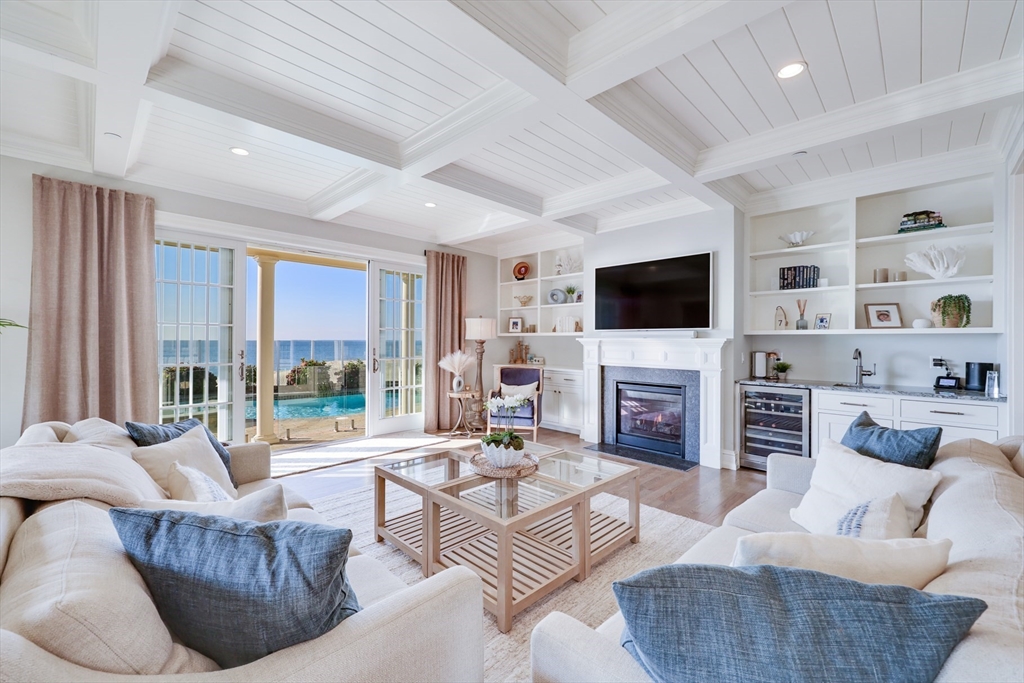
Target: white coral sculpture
456,362
939,263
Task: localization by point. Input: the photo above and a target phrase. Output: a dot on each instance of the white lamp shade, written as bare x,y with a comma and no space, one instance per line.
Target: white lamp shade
481,328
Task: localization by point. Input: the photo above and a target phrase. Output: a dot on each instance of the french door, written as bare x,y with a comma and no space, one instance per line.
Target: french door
395,377
200,303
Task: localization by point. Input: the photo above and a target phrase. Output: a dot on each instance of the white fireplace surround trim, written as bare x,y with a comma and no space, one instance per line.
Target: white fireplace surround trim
703,355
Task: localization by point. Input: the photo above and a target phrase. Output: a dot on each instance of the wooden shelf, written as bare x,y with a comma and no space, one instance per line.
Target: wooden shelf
926,235
772,292
803,249
947,282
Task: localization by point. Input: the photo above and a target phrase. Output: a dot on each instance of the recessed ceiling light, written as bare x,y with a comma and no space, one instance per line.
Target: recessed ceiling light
240,152
430,205
790,70
114,136
801,153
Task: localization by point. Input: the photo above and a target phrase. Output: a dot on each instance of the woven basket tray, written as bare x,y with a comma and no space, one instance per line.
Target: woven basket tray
524,468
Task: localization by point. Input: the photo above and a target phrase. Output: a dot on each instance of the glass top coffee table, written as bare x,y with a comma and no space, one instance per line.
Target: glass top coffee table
525,537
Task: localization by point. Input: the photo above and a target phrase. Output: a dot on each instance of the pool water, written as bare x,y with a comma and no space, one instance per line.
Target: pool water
324,406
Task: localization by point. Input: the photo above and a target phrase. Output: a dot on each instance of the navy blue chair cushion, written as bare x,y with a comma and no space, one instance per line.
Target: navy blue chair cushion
908,447
150,435
776,624
237,590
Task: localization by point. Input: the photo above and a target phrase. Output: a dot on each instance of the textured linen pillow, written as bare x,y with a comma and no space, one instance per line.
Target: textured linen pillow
188,483
150,435
908,447
912,562
843,479
683,623
265,505
237,590
878,518
191,449
526,390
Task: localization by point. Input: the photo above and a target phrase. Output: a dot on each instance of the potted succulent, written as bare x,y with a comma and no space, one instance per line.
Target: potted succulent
951,310
504,448
570,292
781,368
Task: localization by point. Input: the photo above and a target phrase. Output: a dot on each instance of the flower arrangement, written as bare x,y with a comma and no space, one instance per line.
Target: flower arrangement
504,448
456,362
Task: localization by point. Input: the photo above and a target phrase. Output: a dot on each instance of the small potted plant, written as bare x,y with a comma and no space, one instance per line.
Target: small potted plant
504,448
781,368
570,293
951,310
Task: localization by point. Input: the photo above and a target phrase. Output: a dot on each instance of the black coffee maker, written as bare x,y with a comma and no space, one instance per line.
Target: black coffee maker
977,373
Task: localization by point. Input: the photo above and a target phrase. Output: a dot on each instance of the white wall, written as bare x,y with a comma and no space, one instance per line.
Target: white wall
16,259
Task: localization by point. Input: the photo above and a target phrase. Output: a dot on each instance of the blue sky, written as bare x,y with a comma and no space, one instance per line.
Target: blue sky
311,302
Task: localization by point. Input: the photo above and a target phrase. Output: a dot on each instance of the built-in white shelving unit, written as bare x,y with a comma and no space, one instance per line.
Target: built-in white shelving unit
854,236
544,276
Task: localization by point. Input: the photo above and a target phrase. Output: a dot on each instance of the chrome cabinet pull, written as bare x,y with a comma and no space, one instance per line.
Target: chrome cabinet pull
859,405
946,412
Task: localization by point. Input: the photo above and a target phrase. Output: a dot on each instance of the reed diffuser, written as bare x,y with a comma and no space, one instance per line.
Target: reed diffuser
801,305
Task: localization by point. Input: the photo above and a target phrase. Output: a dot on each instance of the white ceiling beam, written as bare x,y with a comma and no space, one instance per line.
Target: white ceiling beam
618,188
644,34
985,88
660,212
128,37
352,191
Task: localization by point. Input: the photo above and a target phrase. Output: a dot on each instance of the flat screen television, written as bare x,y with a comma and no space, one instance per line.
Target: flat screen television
668,294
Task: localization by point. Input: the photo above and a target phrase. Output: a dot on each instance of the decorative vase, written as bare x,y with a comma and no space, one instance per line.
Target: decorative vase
458,383
801,324
501,455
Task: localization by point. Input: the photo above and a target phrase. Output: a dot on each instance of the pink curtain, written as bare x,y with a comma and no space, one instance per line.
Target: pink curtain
443,327
92,322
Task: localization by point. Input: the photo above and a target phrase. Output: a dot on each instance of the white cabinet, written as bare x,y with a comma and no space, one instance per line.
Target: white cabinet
563,400
959,419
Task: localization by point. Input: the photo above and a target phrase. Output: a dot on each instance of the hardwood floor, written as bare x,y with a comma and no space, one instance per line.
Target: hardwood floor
702,493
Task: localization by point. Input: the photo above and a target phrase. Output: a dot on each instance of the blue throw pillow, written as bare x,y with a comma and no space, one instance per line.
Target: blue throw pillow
150,435
908,447
237,590
766,623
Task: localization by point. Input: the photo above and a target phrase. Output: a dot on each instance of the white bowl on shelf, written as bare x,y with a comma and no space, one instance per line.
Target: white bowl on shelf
795,239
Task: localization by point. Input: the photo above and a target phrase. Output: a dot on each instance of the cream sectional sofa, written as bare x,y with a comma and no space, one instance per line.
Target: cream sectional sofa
432,631
979,505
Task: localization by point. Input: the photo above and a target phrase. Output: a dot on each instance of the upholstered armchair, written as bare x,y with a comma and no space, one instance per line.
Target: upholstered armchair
528,417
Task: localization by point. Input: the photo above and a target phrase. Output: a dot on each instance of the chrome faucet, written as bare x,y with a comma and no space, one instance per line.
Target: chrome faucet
861,373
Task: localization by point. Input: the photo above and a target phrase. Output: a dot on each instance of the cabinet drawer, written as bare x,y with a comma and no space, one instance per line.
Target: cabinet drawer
959,413
562,379
950,434
854,403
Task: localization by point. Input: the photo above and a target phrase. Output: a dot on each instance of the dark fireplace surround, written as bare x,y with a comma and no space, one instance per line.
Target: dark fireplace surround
653,400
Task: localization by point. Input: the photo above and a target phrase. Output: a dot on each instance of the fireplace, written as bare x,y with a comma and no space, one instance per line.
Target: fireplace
652,417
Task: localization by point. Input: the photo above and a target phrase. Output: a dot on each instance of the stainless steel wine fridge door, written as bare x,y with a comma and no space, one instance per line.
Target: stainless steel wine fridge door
773,421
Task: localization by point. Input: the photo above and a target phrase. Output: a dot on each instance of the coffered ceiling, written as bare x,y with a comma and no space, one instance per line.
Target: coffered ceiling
535,120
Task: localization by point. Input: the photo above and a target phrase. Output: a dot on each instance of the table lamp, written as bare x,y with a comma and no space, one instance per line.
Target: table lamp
480,330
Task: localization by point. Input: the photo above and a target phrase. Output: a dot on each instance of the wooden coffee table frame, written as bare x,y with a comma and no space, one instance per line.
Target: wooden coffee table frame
520,559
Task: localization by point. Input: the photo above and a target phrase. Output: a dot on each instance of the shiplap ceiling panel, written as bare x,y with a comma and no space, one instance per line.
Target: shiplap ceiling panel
901,48
987,24
744,56
907,144
1014,34
550,157
61,27
943,23
835,162
688,81
857,27
327,54
776,42
185,144
756,181
639,203
56,115
815,32
406,205
581,14
713,67
665,98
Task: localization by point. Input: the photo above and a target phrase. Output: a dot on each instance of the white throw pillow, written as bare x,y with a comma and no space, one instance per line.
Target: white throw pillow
844,479
878,518
265,505
913,562
525,390
189,484
192,449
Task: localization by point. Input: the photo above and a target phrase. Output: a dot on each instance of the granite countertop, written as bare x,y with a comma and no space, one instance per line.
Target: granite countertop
927,392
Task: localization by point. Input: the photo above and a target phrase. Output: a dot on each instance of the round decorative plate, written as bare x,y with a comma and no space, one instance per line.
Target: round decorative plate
521,270
524,468
557,296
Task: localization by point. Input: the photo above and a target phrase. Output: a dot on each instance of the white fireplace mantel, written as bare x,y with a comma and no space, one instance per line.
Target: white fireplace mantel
703,355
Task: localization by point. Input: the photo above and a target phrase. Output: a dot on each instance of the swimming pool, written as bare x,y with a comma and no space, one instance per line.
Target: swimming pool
323,406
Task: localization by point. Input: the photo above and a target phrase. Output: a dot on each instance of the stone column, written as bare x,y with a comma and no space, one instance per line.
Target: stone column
265,370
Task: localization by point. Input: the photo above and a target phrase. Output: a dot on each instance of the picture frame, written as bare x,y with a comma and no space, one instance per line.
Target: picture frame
822,321
579,296
515,325
883,316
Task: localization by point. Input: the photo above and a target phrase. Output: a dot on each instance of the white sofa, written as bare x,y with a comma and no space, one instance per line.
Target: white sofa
979,505
432,631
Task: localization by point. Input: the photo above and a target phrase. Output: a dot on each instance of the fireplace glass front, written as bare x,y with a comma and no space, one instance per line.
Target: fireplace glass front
652,417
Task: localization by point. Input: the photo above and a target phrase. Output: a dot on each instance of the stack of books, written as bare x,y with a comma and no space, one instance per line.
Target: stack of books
920,220
798,277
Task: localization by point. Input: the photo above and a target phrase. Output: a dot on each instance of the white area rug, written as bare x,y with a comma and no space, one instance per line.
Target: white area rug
318,457
663,538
